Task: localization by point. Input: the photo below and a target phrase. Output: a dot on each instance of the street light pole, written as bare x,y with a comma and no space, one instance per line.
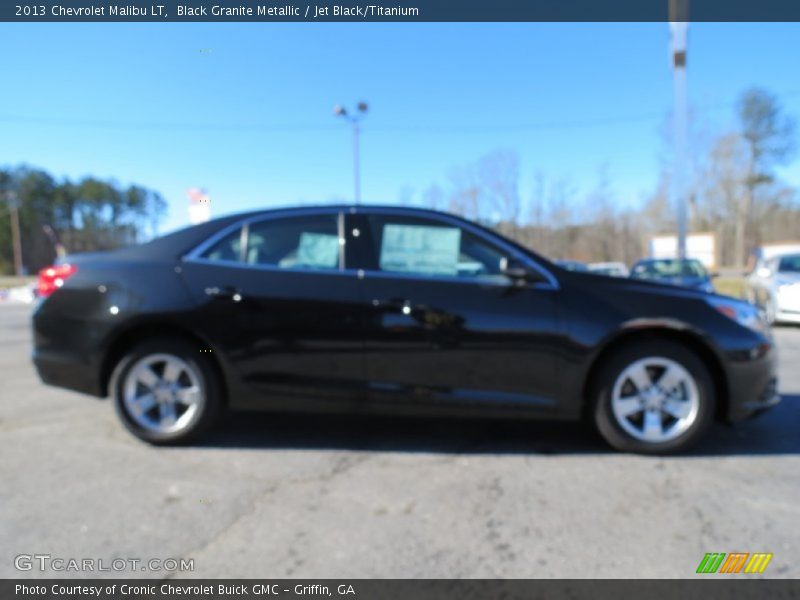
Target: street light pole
355,120
679,17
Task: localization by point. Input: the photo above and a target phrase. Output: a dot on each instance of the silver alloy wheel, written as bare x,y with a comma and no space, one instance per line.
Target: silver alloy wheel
162,393
655,399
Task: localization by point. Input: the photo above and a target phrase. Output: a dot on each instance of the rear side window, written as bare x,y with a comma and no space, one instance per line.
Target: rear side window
291,243
228,249
428,248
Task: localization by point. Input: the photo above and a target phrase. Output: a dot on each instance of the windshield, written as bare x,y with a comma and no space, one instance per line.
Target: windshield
669,268
789,264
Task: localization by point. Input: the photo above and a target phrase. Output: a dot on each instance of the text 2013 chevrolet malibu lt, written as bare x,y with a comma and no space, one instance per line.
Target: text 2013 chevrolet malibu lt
392,310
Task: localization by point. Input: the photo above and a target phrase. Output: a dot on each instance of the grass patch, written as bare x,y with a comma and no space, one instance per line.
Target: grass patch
730,286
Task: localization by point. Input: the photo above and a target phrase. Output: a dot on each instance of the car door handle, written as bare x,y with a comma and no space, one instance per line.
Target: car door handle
394,304
225,292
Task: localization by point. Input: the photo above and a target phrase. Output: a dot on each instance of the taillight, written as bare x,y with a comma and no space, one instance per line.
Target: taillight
52,278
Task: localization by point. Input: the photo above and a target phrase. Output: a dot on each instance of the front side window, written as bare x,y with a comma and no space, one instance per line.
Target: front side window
428,248
290,243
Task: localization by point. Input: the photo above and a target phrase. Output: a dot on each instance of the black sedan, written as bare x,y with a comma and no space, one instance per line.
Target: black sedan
391,310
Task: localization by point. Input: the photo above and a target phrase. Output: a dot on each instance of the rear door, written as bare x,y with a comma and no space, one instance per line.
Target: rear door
275,299
443,326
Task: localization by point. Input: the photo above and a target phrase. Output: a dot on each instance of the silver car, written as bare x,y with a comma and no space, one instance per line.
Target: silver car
775,286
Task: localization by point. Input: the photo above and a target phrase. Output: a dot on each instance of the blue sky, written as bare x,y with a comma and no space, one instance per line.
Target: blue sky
245,110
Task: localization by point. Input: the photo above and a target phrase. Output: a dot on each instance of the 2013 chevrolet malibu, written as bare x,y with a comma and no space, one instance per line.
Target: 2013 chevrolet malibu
391,310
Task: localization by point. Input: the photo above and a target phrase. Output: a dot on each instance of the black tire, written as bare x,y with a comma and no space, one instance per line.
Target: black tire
202,369
609,425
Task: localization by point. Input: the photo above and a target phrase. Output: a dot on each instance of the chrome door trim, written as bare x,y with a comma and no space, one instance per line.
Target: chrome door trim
195,255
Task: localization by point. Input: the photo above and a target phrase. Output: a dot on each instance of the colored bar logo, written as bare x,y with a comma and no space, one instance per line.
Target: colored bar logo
735,562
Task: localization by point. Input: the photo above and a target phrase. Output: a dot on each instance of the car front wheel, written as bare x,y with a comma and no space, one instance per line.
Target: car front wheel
653,397
165,391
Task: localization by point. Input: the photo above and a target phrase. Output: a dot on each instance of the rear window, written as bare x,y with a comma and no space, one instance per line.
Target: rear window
291,243
669,268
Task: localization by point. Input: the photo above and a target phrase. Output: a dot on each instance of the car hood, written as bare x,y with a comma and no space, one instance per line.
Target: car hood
654,286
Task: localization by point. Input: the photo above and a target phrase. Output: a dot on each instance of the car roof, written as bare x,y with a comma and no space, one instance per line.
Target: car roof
179,242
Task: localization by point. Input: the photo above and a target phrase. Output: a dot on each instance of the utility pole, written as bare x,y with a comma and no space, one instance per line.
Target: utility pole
13,212
355,120
679,23
356,163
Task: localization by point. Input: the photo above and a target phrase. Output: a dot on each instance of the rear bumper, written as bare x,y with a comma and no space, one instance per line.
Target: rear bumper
752,383
66,351
65,371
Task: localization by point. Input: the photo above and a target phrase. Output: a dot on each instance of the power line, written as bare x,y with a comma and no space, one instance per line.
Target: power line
70,122
313,127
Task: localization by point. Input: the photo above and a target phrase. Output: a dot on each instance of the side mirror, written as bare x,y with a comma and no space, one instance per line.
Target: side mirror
518,271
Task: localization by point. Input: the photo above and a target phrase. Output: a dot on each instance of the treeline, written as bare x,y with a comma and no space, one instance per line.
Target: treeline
734,192
78,216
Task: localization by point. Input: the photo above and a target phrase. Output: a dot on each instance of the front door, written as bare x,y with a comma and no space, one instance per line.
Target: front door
444,326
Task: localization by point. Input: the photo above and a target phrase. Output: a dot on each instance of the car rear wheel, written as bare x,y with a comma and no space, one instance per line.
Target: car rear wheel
166,392
654,397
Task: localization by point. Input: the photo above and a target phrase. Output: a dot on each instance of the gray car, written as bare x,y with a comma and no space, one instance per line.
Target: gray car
775,287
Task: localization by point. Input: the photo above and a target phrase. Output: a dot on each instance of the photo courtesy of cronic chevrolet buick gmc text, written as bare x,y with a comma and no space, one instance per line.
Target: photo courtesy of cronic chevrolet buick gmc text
392,310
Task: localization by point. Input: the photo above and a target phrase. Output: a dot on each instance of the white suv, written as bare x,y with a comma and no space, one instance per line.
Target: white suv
774,285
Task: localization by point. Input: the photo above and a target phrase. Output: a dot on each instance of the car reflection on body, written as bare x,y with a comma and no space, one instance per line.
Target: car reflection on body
391,310
689,273
612,269
572,265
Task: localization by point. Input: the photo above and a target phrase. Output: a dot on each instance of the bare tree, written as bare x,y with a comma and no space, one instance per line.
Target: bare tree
464,194
769,136
498,174
734,193
433,197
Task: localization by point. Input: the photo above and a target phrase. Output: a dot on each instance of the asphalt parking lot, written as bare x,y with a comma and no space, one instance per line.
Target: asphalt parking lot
302,497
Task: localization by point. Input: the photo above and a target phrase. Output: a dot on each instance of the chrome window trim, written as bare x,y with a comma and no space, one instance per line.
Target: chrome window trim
271,268
195,255
550,284
443,279
355,273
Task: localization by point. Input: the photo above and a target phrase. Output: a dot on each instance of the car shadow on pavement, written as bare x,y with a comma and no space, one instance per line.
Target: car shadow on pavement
775,432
